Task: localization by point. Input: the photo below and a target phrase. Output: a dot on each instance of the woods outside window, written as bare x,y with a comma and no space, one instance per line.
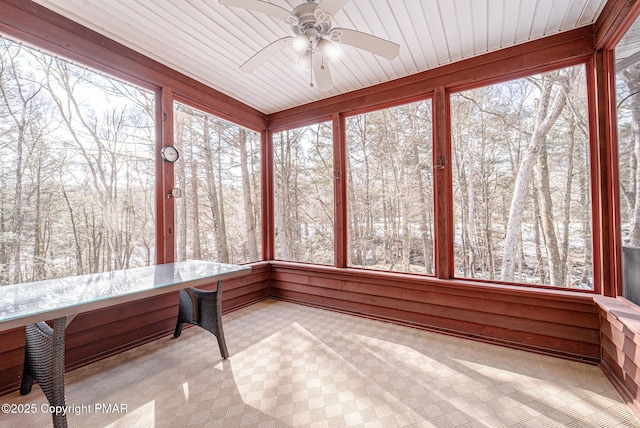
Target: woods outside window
303,197
627,76
218,216
77,171
521,181
390,189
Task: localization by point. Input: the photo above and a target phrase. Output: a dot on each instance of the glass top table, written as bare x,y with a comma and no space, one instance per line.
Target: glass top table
30,304
27,303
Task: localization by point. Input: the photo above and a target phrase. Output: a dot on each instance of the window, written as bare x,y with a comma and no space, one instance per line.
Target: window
521,183
303,198
218,216
627,75
77,170
390,189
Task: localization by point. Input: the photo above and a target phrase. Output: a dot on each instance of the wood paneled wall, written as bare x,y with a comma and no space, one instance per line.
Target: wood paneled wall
551,322
620,341
98,334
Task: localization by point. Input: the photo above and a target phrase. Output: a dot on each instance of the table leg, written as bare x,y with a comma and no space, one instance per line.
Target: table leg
44,363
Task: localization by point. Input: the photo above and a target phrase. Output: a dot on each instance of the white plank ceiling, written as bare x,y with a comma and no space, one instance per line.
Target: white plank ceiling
208,41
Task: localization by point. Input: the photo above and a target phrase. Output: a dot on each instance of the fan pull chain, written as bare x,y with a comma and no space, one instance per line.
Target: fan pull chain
311,72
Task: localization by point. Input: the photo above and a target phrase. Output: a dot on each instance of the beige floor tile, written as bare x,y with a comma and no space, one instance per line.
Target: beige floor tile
295,366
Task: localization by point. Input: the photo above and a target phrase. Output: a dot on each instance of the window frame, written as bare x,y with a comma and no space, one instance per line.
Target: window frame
260,234
168,85
343,153
105,72
269,226
594,175
608,121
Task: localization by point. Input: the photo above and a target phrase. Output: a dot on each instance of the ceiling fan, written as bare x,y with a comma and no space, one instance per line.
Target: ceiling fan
314,40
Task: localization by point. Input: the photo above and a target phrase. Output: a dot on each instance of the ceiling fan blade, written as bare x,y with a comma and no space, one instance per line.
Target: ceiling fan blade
366,41
264,54
321,73
332,6
259,6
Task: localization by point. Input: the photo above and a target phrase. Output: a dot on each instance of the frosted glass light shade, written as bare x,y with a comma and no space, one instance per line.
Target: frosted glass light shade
300,44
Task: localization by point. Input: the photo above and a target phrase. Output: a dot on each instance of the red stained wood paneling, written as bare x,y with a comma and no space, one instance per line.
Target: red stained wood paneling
614,20
443,233
11,359
340,190
267,177
567,48
620,344
558,323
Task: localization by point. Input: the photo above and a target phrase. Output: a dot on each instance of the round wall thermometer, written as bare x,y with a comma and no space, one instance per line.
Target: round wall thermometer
169,154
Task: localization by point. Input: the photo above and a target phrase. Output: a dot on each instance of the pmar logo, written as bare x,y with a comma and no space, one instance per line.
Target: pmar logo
110,408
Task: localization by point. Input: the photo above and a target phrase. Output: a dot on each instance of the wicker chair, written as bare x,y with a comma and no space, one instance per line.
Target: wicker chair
44,363
203,308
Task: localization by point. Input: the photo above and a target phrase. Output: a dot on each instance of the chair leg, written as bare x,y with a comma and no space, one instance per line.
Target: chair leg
27,382
178,329
204,309
220,333
44,363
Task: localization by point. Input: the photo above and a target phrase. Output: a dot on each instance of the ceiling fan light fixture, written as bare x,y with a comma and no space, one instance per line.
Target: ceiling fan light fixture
300,44
327,48
304,60
313,39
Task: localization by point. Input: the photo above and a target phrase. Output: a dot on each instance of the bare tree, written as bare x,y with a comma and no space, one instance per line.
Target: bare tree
550,106
252,246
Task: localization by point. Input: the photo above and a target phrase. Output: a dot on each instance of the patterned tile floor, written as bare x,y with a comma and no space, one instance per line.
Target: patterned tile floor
295,366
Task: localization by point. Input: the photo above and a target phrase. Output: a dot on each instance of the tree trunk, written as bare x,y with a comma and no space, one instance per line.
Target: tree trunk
39,256
548,113
212,192
252,245
404,216
537,239
76,240
633,84
194,214
566,232
223,224
183,132
281,189
355,238
425,226
554,261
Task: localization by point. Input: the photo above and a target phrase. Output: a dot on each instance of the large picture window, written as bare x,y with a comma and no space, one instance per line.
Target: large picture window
304,211
627,74
521,182
77,170
390,189
218,216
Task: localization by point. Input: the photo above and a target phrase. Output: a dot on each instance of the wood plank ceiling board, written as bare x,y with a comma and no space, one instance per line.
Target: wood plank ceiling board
464,27
451,24
480,13
496,21
510,26
416,35
209,42
523,26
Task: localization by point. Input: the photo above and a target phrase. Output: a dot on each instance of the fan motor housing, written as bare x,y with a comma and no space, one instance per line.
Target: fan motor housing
307,20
